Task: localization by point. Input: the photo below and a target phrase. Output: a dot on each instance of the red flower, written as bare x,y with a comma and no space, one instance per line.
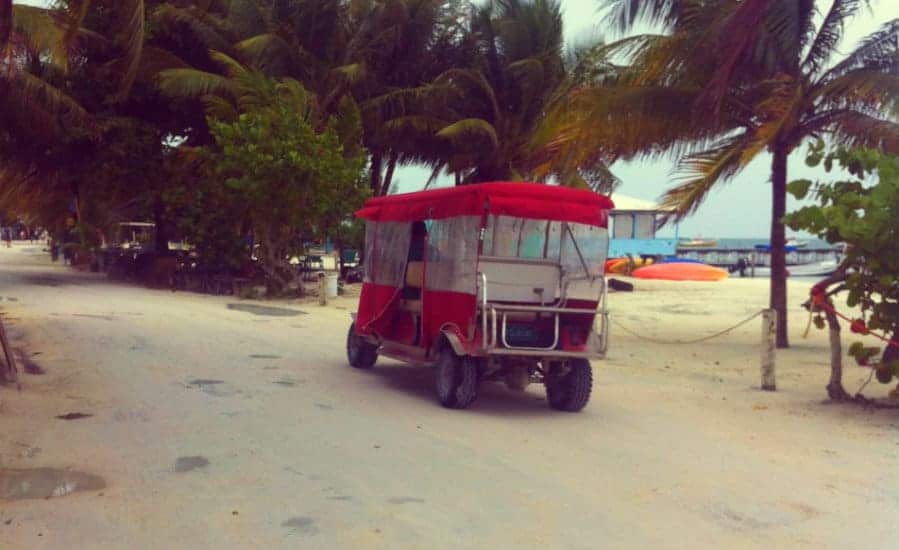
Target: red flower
858,326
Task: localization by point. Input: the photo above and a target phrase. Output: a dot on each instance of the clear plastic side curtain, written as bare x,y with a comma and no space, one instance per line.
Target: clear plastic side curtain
452,255
386,250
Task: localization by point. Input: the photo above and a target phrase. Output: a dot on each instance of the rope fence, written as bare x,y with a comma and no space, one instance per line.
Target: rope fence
692,341
766,347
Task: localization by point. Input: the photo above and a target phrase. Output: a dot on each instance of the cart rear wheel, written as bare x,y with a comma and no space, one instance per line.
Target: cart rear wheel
570,391
359,353
457,379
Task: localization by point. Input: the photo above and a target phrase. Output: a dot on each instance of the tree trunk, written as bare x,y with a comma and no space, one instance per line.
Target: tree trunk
778,292
835,388
376,162
5,24
161,243
388,177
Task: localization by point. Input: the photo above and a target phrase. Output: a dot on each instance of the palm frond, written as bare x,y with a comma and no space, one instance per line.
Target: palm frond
734,38
829,35
777,110
466,130
623,15
232,67
5,23
75,13
219,108
351,73
193,83
206,28
302,99
853,129
699,172
268,52
132,44
863,89
42,35
475,80
415,124
41,108
245,18
879,50
402,101
155,60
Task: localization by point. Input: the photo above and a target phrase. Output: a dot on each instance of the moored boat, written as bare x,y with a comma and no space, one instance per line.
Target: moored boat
696,243
814,269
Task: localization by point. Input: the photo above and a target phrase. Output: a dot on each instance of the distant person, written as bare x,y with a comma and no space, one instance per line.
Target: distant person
7,237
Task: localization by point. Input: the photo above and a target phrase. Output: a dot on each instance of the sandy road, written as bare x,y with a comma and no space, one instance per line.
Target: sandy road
216,427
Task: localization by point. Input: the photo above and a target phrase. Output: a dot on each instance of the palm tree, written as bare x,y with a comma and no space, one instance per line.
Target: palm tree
732,79
401,45
51,114
305,40
487,121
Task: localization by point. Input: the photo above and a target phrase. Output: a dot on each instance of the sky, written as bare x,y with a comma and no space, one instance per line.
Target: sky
740,208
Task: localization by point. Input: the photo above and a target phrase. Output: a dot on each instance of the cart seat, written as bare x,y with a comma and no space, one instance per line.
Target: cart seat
521,281
414,280
415,274
412,306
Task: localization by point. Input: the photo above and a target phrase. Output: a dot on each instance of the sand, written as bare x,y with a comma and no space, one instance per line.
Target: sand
216,427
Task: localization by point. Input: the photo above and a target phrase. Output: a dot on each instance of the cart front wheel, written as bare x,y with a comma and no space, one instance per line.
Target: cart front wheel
359,353
568,388
457,379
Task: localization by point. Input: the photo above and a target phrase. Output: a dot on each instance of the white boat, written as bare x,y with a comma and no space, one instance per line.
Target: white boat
814,269
796,243
696,243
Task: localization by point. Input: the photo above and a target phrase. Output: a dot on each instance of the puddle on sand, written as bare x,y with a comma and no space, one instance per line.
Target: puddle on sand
406,500
45,483
264,356
215,388
266,310
189,463
92,316
301,524
204,382
74,416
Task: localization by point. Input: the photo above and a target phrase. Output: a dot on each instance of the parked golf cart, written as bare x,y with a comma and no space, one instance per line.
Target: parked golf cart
495,281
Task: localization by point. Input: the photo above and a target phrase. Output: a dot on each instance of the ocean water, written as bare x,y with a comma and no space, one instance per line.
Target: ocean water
751,243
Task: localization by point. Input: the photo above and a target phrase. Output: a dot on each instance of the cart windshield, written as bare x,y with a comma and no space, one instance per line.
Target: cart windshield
579,249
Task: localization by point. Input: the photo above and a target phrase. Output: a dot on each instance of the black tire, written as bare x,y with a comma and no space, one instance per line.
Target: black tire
570,392
359,353
456,379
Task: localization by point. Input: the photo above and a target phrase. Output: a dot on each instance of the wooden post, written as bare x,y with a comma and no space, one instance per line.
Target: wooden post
769,324
322,290
9,373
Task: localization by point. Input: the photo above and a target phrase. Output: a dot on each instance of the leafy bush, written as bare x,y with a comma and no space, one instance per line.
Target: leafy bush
862,211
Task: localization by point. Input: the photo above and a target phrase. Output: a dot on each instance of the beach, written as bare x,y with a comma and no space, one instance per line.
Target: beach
221,423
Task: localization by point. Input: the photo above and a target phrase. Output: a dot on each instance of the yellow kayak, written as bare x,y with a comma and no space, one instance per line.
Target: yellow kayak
621,265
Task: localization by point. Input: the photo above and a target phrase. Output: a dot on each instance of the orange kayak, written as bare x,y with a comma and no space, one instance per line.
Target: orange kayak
678,271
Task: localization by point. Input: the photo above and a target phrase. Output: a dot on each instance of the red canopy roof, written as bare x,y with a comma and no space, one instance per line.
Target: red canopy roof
523,200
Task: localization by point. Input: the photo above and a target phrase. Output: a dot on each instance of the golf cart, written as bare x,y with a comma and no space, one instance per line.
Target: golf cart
494,281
